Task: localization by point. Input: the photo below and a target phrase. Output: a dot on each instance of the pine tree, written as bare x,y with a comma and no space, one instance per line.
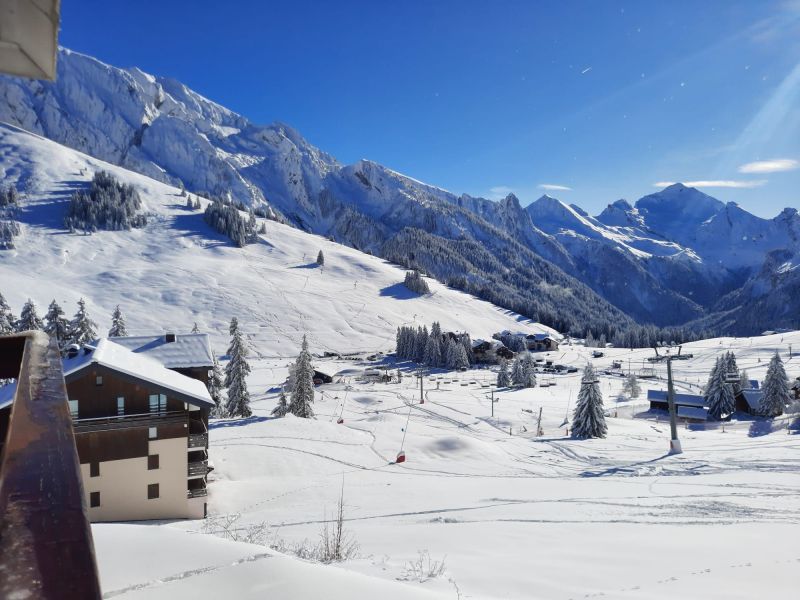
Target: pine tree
282,407
776,389
744,380
459,355
7,319
466,341
518,372
215,385
236,372
419,344
433,352
503,377
320,259
303,391
588,420
195,328
631,386
719,394
118,328
82,329
28,319
56,325
189,203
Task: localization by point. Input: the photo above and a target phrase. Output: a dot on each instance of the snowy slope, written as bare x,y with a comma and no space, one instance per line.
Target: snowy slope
191,274
513,516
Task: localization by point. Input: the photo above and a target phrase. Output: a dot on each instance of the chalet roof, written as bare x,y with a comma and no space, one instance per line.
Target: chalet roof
680,399
753,398
540,337
187,351
692,412
119,359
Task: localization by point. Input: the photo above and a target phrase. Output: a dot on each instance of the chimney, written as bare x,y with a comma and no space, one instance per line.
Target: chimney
169,338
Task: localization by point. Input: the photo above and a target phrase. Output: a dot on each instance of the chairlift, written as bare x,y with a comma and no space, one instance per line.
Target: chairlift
732,377
339,421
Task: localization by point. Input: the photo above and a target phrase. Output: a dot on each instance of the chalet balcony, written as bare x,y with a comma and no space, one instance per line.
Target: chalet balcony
198,441
128,421
197,493
198,468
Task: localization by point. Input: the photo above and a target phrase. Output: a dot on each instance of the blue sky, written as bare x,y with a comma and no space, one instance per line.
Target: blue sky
605,98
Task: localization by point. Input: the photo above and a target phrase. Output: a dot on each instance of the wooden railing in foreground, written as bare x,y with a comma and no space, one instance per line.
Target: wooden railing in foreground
46,549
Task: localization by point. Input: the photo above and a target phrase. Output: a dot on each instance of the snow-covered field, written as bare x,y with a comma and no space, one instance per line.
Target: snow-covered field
511,515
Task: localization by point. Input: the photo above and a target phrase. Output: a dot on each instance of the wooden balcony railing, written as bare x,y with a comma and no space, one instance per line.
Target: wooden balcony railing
198,468
128,421
46,548
198,441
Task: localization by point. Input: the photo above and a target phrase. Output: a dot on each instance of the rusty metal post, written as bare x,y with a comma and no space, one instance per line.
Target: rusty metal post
46,548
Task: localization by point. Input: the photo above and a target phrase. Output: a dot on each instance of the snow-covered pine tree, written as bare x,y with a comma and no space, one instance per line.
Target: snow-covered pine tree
466,341
719,394
436,330
460,360
776,389
631,386
82,329
588,420
321,259
29,319
433,352
118,327
518,373
236,372
215,385
282,408
731,368
503,377
7,319
195,328
419,344
530,372
56,325
303,392
447,354
415,282
744,380
189,202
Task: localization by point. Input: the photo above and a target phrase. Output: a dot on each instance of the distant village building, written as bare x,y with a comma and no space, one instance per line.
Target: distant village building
490,351
749,401
141,432
541,342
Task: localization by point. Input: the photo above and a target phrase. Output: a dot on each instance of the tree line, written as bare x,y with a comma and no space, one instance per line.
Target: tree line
108,204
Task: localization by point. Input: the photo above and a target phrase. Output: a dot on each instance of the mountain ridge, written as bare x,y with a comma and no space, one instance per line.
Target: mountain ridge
666,259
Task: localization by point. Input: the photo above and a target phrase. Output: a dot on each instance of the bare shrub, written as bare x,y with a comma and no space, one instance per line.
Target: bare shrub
423,568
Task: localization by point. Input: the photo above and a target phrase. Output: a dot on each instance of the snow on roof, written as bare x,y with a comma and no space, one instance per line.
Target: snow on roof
115,357
680,399
188,350
692,412
753,398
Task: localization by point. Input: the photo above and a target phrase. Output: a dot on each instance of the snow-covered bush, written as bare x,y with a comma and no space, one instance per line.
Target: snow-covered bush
108,204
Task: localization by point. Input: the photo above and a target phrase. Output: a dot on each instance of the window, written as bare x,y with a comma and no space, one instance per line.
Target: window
94,499
120,405
73,409
152,462
98,380
152,491
158,403
94,469
152,433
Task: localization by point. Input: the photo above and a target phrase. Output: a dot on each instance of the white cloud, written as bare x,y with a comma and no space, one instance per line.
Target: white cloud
716,183
499,192
770,166
552,187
